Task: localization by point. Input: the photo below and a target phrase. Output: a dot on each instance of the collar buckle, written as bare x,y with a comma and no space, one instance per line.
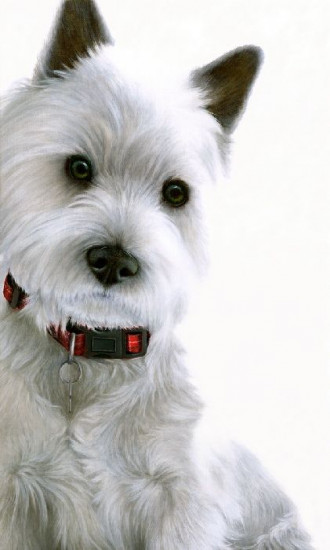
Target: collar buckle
116,343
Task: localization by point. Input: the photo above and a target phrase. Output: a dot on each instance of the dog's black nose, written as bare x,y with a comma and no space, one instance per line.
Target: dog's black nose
111,264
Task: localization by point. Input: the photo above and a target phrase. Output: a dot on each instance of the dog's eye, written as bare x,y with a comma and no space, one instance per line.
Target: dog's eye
175,192
79,168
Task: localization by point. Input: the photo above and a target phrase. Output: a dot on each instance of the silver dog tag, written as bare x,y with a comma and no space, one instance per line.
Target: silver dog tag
70,371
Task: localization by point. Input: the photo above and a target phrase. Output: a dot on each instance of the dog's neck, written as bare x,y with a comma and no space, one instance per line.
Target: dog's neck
119,343
32,355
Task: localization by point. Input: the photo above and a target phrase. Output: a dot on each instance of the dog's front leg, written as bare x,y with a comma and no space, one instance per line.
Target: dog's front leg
172,513
44,500
164,510
183,519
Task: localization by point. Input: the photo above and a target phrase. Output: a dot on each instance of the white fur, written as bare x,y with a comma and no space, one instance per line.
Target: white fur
131,469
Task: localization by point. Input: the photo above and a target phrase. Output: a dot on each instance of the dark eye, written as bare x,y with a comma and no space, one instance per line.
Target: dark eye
175,192
79,168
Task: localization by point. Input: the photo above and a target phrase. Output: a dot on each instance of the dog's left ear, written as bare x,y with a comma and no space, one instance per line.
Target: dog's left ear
79,29
227,82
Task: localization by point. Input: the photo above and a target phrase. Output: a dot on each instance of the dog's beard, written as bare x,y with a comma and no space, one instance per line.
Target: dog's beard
150,306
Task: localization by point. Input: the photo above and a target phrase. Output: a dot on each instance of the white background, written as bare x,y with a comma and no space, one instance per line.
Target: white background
263,359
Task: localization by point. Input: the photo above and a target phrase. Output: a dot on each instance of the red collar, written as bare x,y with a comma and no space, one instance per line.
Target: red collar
121,343
14,294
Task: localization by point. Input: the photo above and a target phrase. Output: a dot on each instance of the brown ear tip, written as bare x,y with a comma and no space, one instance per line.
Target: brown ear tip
67,3
251,55
257,53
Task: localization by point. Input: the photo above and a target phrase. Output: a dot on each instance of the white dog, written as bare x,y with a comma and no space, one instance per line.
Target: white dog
103,175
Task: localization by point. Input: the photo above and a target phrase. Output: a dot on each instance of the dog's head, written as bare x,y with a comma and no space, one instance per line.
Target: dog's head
103,170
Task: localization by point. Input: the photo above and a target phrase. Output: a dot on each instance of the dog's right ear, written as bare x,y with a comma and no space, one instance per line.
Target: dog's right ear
78,30
226,83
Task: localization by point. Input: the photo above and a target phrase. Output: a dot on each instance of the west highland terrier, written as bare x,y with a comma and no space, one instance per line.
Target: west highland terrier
103,176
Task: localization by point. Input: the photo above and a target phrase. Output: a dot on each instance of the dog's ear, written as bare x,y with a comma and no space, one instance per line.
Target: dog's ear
79,28
226,83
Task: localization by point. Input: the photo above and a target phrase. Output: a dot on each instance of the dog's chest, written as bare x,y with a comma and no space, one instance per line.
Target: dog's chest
121,456
117,463
94,476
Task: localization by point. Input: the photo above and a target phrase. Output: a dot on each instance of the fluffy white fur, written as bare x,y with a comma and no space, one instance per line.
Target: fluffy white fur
131,468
